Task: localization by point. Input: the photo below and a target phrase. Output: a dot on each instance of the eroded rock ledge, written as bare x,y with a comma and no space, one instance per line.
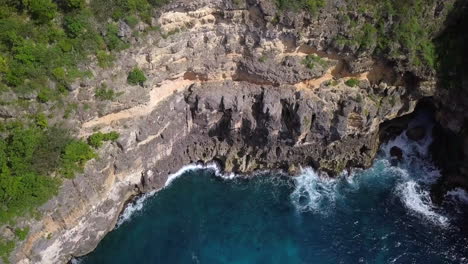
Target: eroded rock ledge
229,86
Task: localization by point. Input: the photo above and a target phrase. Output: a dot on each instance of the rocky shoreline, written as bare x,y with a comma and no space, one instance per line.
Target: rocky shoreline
228,86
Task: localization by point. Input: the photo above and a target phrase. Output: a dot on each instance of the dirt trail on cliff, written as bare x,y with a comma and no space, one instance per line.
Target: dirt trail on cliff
379,72
167,88
157,95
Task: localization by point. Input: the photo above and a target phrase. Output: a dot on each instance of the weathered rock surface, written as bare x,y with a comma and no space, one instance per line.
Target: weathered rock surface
229,86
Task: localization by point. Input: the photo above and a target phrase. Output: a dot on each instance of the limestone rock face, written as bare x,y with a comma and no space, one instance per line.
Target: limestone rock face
227,84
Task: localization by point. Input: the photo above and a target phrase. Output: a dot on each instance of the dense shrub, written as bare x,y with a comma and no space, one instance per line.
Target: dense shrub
132,21
21,233
103,93
313,6
6,247
112,39
21,188
311,60
136,77
42,10
27,156
74,157
46,40
96,140
409,35
43,44
75,25
352,82
105,59
41,121
70,5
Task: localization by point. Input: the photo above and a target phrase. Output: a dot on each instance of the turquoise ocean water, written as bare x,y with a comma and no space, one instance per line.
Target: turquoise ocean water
380,215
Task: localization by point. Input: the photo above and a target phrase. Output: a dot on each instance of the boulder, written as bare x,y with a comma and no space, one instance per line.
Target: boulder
396,152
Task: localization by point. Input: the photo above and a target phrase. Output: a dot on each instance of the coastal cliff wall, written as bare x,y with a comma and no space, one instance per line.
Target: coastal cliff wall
226,83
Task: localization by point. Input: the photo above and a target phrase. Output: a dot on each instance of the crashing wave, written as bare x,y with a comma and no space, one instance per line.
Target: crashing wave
417,200
132,208
313,191
408,179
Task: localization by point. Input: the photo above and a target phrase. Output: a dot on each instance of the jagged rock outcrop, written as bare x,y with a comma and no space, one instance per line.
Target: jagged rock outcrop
224,84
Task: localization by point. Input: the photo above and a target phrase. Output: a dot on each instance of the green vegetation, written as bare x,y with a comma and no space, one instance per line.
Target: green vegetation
313,6
6,247
352,82
70,108
409,34
43,41
97,139
368,37
21,233
103,93
28,156
105,59
450,47
311,60
136,77
74,157
45,46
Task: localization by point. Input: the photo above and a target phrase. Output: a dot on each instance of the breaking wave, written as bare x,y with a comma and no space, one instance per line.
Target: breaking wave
408,179
133,207
417,200
314,192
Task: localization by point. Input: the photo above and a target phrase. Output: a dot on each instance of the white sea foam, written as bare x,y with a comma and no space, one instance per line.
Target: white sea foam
409,180
312,191
416,171
458,195
191,167
132,208
75,261
418,201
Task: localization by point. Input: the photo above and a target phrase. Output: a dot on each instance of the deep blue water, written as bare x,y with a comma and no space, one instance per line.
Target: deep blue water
380,215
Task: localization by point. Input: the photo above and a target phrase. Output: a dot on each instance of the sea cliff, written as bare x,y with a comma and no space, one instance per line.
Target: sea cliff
242,84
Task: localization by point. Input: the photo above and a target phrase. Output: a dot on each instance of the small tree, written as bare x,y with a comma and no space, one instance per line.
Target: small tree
136,77
97,139
352,82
